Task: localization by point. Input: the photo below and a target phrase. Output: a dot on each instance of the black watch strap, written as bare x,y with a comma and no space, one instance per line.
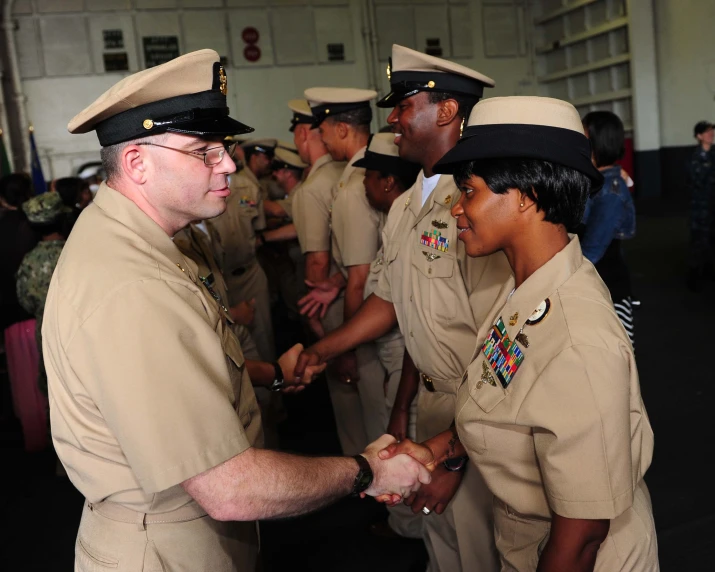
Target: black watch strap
364,476
456,464
278,379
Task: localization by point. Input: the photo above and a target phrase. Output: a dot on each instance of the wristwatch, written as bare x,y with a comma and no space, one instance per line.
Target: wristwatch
363,479
456,464
278,379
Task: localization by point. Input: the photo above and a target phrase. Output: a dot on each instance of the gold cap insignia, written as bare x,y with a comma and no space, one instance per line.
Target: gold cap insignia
513,319
389,69
448,199
223,81
148,124
430,84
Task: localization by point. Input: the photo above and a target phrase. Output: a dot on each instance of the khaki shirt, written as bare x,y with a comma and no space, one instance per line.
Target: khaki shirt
288,203
355,224
376,267
147,384
196,245
311,208
429,280
569,433
236,228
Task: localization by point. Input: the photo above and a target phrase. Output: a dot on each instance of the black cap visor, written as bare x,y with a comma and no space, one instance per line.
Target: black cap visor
207,127
406,84
388,164
514,141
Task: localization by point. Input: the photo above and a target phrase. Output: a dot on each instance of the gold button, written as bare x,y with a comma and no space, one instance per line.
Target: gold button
429,271
430,84
148,124
327,111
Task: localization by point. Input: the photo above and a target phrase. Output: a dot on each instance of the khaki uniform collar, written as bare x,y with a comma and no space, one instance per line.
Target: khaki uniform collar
444,194
541,285
249,174
315,167
118,207
359,154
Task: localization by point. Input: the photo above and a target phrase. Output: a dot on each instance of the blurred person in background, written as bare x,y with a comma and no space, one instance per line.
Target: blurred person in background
16,240
610,215
75,195
701,179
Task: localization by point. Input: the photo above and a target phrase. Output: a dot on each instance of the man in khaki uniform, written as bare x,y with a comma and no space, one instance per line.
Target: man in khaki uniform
343,116
235,251
426,286
152,410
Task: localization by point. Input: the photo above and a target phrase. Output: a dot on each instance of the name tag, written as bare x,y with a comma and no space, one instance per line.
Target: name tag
502,353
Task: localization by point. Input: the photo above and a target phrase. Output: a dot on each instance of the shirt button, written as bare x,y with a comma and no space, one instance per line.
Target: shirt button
412,335
429,271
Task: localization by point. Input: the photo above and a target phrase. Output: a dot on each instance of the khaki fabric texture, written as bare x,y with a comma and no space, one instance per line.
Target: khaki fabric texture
311,210
356,226
199,544
147,384
570,433
431,290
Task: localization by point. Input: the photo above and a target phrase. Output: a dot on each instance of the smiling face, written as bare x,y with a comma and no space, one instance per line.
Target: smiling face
414,120
330,135
485,219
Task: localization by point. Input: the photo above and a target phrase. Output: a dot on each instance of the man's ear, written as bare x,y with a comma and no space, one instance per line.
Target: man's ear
132,162
447,112
342,129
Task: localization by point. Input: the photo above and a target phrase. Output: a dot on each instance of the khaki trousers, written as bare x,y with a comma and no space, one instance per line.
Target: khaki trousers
345,398
253,284
390,351
198,544
462,537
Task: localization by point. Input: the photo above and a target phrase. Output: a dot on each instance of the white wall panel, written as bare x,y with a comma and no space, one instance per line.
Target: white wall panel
205,29
65,44
59,5
105,5
293,35
333,25
98,23
27,39
155,4
239,20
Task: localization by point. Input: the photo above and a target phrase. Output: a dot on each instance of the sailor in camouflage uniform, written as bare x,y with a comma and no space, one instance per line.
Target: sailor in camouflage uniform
702,192
45,213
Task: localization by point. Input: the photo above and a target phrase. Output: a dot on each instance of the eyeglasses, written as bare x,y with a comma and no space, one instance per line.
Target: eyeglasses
211,157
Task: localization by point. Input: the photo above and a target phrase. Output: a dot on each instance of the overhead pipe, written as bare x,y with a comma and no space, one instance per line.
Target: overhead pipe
23,161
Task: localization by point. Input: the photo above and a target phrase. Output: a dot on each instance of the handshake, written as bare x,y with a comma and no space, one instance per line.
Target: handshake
399,469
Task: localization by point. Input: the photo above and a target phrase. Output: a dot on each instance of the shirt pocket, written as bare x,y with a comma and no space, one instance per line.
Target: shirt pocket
438,268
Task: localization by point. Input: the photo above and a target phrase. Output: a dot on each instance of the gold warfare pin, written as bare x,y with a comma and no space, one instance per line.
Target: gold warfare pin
431,257
513,319
439,223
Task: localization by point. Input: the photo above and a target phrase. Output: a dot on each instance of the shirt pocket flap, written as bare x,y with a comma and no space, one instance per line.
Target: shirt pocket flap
482,392
432,263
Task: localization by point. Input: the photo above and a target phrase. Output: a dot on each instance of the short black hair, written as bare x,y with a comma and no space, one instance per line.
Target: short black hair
561,192
605,131
69,188
465,102
360,116
15,189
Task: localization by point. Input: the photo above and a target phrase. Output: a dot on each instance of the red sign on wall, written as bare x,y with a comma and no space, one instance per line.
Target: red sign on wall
252,53
250,35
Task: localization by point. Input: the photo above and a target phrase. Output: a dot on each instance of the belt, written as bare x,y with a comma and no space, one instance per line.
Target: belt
114,511
441,385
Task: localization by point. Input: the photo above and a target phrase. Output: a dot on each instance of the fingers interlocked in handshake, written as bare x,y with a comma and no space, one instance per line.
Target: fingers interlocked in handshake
399,469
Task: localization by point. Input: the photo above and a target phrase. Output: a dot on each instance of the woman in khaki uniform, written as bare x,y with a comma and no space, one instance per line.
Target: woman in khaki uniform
550,409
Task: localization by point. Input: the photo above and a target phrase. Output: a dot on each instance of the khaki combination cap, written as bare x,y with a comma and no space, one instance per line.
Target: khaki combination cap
284,159
301,113
288,145
410,72
330,101
523,127
186,95
45,208
267,146
383,155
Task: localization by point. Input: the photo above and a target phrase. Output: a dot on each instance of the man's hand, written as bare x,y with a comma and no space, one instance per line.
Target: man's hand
399,420
346,367
436,495
244,312
317,301
287,364
398,476
307,359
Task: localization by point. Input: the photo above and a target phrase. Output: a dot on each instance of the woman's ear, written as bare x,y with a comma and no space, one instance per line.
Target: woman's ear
391,184
525,200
